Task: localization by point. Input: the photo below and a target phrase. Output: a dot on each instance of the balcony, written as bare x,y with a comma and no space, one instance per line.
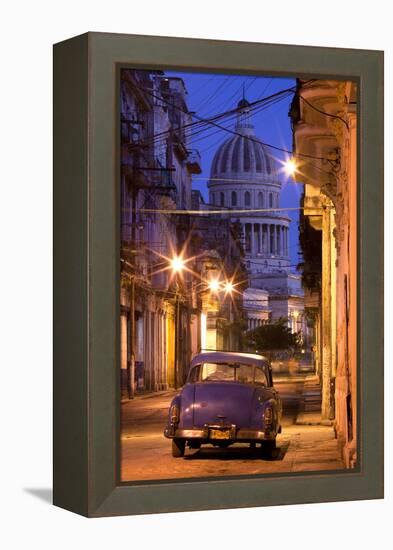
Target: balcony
163,182
194,162
132,124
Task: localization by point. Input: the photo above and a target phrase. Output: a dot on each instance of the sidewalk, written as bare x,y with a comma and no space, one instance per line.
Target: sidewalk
310,447
310,404
146,394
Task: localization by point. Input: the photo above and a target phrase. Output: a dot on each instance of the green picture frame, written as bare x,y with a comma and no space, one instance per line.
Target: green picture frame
86,274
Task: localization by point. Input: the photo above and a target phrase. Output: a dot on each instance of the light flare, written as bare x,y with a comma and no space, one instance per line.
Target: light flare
177,264
290,167
214,285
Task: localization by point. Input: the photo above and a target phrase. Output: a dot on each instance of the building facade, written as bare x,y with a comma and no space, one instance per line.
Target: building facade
159,318
325,127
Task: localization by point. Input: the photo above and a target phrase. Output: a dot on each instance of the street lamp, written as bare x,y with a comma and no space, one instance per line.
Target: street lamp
177,264
228,287
214,285
290,167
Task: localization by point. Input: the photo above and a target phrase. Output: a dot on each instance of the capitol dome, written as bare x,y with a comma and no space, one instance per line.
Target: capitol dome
243,155
245,176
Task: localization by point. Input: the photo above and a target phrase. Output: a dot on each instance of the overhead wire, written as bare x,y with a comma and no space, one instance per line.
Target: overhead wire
200,121
256,110
229,101
228,212
206,133
250,138
209,99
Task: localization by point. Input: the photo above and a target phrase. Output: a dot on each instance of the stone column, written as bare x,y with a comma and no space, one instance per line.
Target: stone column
286,241
264,238
328,291
252,239
273,240
267,238
278,240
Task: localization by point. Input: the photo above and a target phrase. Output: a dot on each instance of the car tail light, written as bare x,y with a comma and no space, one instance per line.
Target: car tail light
268,416
174,414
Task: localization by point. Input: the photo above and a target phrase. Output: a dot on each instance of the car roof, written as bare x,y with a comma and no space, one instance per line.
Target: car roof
229,357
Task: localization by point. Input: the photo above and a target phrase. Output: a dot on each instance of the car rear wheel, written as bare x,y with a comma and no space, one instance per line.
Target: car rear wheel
269,448
178,447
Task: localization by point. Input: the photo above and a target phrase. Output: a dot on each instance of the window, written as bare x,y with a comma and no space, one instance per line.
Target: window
232,372
260,377
270,200
234,198
222,199
194,374
261,201
247,198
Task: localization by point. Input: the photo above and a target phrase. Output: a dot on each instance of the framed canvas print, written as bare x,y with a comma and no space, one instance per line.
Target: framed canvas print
218,260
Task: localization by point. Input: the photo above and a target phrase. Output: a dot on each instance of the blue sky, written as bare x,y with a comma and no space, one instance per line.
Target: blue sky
210,94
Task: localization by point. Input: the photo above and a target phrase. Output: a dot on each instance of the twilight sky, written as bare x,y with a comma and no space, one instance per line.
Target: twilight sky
210,94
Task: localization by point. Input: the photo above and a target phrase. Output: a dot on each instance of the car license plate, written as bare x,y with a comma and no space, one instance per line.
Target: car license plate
220,434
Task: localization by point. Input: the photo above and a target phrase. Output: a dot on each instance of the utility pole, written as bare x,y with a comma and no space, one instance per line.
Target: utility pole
177,337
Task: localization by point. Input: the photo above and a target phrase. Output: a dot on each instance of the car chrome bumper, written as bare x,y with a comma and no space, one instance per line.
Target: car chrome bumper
239,435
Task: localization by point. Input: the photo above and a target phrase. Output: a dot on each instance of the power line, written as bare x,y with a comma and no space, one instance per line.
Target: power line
234,132
201,121
219,87
245,87
257,110
225,212
215,117
323,112
232,180
216,142
202,86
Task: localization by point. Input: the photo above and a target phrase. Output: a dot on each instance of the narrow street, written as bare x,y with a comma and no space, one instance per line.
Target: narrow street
304,444
235,249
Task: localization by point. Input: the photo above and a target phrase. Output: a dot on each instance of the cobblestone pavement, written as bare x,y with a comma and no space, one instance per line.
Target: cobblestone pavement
146,454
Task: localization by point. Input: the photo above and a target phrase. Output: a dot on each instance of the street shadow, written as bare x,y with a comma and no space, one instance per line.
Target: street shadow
237,453
43,494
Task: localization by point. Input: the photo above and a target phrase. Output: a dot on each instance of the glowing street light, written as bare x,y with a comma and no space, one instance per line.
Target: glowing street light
228,287
214,285
177,264
290,167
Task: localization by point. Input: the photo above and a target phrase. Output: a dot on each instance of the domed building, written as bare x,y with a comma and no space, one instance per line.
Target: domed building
245,176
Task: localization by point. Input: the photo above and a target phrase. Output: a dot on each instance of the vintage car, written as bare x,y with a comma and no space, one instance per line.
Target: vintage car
228,398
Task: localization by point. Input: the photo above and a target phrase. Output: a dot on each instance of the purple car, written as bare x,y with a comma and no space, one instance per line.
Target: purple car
228,398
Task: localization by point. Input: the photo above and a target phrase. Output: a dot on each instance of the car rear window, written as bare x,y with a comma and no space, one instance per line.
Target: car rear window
248,374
